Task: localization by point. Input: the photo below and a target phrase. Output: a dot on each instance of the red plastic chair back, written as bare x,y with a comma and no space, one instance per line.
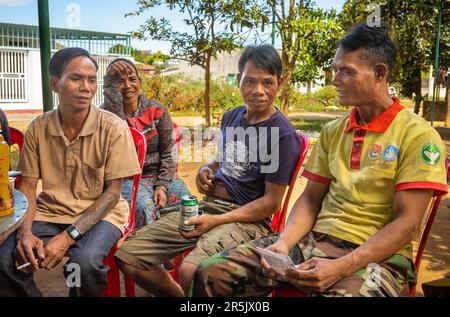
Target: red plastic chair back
141,148
177,140
16,137
427,229
112,288
279,218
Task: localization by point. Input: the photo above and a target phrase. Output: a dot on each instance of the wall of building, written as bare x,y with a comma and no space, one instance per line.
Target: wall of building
34,85
35,79
225,64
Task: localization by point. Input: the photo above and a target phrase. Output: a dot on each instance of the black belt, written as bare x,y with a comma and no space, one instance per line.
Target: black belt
222,201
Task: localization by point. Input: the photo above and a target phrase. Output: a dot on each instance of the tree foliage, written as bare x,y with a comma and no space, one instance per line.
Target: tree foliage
212,27
156,57
139,56
120,49
320,31
308,35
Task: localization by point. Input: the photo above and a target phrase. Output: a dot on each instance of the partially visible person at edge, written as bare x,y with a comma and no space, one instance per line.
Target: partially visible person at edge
159,186
243,184
4,127
371,176
81,154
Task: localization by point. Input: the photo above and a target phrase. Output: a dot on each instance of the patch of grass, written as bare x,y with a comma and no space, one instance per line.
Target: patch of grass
307,104
408,103
311,104
309,125
186,113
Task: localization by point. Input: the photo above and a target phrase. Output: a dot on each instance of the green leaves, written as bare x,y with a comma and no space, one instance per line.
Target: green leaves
204,36
212,26
308,37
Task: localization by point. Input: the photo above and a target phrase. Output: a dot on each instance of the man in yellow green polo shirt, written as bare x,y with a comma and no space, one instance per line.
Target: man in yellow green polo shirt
370,177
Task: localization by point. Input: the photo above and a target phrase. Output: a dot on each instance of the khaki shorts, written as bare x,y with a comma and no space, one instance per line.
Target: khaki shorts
160,241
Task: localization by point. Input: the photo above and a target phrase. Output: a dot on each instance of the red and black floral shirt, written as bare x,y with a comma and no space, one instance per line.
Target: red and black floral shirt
154,122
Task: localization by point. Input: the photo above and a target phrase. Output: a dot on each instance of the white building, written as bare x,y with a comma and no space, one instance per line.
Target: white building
20,64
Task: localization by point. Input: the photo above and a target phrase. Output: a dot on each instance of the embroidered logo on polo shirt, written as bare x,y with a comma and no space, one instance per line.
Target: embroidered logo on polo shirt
391,153
431,154
375,151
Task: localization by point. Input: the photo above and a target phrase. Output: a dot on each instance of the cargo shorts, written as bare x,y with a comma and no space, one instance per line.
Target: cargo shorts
161,241
238,272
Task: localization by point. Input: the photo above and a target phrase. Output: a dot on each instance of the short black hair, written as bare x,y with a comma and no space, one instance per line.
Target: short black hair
265,58
63,57
375,41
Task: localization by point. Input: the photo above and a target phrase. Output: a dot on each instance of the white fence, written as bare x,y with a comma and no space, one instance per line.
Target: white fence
20,81
13,76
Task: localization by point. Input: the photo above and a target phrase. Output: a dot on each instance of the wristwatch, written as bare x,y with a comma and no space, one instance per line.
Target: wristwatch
74,232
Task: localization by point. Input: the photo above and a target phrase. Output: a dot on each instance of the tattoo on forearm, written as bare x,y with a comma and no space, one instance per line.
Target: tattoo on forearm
97,211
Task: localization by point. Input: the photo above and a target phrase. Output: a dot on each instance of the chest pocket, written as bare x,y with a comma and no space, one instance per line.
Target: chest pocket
91,180
375,185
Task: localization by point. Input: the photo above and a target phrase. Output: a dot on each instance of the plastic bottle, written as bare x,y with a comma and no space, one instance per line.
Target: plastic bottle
6,192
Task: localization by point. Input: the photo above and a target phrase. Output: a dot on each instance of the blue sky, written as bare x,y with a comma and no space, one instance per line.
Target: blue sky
101,15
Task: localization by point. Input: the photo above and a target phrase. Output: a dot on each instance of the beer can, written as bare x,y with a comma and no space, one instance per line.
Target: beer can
188,210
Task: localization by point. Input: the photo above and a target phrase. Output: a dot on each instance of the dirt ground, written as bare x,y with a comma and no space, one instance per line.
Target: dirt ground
436,259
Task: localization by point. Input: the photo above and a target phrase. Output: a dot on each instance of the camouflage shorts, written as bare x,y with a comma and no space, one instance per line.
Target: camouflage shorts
238,272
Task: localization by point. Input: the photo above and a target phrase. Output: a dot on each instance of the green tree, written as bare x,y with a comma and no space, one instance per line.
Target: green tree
139,56
156,57
120,49
308,35
321,33
213,27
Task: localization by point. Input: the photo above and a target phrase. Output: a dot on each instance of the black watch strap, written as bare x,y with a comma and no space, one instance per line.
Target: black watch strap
74,232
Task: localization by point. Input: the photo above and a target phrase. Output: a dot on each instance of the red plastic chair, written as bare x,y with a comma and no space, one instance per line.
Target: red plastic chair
278,219
426,231
130,286
436,201
113,278
177,140
16,137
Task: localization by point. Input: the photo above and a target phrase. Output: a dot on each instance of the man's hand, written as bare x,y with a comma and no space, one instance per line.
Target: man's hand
316,275
159,198
204,180
27,245
203,224
277,247
56,249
